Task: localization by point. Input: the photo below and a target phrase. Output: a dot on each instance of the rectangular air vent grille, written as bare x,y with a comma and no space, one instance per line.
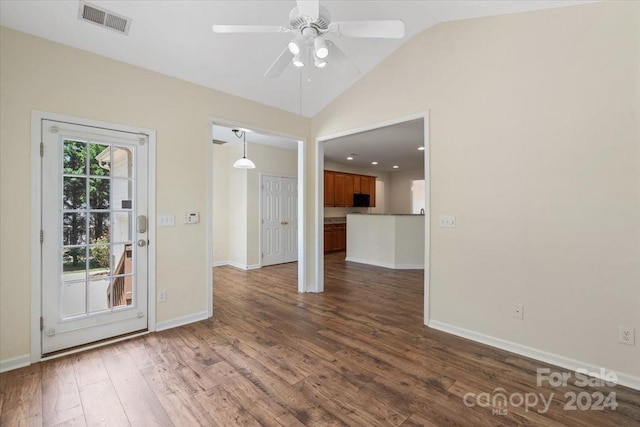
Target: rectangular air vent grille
104,18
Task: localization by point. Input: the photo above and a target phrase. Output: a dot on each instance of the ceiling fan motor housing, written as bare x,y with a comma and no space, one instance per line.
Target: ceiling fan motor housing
300,22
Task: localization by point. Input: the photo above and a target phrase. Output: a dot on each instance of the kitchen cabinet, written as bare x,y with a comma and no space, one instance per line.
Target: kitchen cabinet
343,195
368,186
335,237
329,188
339,188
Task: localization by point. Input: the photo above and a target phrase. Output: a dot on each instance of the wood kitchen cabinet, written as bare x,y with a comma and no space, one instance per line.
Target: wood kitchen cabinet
368,186
335,237
339,188
329,188
343,190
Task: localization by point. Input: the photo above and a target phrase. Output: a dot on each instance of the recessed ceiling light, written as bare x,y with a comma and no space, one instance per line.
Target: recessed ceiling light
349,158
374,163
396,166
421,148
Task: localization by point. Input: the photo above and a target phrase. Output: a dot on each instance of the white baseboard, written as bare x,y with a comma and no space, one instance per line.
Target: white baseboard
15,363
626,380
219,263
387,265
242,266
179,321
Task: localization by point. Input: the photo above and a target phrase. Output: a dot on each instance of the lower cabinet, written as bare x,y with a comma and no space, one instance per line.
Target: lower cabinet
335,237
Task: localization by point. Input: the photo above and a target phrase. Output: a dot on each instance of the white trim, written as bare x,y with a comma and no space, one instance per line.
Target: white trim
15,363
534,353
219,263
36,208
180,321
319,195
242,266
209,224
386,265
302,201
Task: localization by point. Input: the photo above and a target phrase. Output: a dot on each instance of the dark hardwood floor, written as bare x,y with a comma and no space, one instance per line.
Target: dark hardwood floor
356,355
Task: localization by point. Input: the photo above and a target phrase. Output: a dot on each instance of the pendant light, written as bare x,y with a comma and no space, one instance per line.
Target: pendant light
243,163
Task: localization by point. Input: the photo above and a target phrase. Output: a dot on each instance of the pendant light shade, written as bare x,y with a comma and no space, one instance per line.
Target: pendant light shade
243,163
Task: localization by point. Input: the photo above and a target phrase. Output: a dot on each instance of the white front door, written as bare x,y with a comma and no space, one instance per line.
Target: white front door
279,220
94,234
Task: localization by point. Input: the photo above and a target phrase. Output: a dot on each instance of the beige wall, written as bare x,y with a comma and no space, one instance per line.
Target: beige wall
400,194
41,75
535,130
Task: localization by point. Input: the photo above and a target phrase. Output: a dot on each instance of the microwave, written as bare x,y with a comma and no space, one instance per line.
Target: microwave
361,200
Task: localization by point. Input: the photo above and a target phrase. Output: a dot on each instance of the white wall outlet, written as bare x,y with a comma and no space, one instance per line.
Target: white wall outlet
518,311
626,335
166,220
447,221
162,296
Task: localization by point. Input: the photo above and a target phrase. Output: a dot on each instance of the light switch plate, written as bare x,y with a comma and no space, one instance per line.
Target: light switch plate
166,220
447,221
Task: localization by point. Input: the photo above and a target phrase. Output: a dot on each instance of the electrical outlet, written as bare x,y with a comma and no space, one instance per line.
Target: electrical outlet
626,335
518,311
162,296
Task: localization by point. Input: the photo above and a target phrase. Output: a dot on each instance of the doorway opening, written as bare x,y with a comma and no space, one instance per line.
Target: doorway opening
238,234
378,150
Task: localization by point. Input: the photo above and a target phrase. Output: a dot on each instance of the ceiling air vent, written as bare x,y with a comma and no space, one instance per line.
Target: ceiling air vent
104,18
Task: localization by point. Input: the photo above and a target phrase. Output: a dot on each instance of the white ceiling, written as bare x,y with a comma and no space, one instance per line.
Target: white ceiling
391,145
175,38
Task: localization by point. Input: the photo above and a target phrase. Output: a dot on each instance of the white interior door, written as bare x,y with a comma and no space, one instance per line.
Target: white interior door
279,220
94,234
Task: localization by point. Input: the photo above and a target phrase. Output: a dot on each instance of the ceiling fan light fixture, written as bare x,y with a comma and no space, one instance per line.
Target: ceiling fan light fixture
320,48
297,61
294,47
320,63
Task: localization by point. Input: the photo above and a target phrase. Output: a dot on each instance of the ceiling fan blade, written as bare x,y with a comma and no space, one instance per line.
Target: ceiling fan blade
309,8
279,64
226,29
342,61
373,29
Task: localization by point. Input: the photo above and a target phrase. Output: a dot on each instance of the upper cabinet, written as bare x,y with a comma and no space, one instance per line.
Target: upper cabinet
329,188
339,188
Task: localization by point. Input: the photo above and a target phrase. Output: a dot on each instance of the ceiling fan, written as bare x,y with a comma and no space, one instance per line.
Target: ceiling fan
310,24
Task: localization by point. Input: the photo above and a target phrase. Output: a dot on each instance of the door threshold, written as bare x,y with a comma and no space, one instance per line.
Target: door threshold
92,345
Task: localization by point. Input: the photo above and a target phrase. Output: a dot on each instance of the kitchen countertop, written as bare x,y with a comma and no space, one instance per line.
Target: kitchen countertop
335,220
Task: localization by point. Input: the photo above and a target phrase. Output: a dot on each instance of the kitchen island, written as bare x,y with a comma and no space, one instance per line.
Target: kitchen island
386,240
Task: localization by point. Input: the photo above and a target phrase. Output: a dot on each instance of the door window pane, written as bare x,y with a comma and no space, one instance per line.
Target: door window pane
74,261
99,227
122,162
99,294
99,193
100,258
100,159
121,227
74,193
73,299
74,155
74,228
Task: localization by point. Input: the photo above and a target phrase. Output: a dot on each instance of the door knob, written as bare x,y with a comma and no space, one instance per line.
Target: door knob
142,243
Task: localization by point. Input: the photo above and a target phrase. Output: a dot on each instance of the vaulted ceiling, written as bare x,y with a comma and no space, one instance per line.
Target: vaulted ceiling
175,38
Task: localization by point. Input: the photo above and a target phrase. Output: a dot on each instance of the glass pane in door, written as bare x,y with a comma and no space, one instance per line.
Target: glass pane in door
97,219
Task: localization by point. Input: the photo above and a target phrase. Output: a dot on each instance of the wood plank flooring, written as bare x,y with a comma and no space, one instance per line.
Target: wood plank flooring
355,355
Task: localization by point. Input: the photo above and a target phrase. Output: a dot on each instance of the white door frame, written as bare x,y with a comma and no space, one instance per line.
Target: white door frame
36,209
302,201
319,194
